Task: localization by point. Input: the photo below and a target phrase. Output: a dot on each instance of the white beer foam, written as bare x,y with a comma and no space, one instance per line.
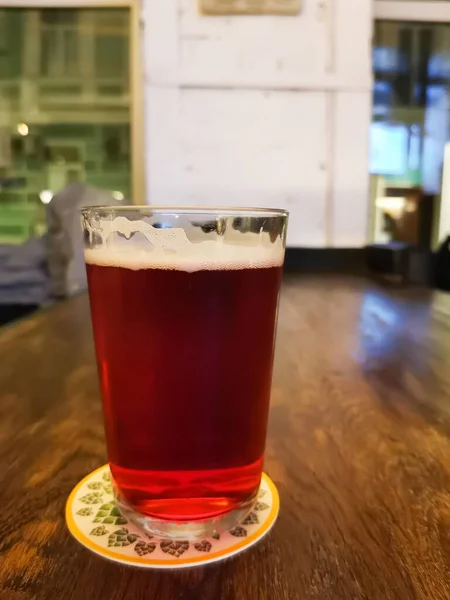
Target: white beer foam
171,249
207,256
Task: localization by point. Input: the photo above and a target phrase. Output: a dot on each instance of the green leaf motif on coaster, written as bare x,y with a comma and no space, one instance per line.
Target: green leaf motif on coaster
174,548
106,476
203,546
84,512
99,531
262,493
92,498
261,506
239,531
143,548
95,485
122,537
216,535
108,488
251,519
110,515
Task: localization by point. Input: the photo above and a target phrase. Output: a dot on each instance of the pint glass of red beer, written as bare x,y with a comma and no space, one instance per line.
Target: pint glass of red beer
184,308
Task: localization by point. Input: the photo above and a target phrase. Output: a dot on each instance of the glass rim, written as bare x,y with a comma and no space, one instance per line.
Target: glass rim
215,211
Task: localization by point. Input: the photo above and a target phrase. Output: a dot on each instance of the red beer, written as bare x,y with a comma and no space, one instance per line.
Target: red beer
185,363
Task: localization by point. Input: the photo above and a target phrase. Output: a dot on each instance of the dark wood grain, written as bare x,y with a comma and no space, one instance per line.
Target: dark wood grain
358,446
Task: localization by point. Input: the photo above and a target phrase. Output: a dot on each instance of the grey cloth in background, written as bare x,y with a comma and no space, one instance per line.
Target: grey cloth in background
65,241
23,273
50,267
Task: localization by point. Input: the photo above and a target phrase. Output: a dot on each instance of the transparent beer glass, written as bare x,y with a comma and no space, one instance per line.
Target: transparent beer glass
184,308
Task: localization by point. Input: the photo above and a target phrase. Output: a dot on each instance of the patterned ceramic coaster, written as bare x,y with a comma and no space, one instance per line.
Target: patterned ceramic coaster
95,521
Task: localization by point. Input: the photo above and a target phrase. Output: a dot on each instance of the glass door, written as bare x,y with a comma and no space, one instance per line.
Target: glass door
66,109
410,131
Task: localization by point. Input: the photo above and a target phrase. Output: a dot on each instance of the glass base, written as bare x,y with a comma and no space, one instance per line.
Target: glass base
191,530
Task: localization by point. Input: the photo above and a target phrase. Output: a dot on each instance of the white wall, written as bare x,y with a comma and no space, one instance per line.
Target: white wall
266,111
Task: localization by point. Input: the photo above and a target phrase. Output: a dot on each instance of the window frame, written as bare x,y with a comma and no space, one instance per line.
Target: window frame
136,76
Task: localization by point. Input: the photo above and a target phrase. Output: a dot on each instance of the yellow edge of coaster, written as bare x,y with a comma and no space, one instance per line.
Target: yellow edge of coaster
147,562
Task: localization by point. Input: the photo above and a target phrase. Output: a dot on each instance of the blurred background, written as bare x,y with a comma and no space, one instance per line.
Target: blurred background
339,113
65,109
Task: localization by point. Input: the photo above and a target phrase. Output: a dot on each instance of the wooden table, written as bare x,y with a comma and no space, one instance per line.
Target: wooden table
358,447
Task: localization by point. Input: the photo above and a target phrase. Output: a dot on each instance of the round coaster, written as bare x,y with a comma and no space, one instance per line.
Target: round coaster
94,520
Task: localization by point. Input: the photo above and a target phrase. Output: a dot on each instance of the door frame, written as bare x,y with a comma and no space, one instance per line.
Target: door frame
437,11
138,183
